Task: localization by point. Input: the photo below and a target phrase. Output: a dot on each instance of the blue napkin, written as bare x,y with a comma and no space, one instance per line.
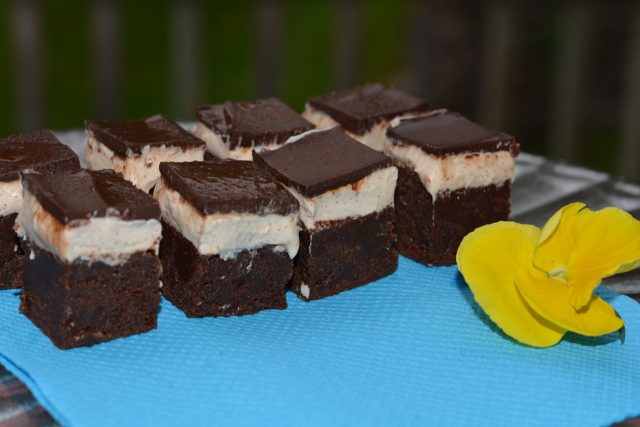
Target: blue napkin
411,349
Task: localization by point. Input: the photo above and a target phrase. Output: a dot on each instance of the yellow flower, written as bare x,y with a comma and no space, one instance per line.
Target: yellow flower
536,285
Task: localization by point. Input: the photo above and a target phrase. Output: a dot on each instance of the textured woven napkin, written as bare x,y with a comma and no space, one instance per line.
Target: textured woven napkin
411,349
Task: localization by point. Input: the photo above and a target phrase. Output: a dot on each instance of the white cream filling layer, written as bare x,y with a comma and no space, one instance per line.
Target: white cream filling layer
227,234
10,197
375,138
221,149
319,118
109,240
455,171
372,193
142,170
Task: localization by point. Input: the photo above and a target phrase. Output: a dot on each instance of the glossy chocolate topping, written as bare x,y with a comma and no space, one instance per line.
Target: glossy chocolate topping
91,194
38,151
360,108
127,136
253,123
450,133
226,186
321,161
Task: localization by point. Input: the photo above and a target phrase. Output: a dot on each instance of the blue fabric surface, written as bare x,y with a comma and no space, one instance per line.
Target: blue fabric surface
411,349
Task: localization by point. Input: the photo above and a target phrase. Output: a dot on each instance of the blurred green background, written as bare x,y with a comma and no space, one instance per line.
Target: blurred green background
563,76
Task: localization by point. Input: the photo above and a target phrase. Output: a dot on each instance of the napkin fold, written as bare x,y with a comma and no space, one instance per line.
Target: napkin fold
410,349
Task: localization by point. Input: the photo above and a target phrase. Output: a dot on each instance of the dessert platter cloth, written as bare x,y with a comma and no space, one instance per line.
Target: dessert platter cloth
410,349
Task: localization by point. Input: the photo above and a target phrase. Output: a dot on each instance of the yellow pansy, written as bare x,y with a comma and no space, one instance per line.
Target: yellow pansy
583,247
536,285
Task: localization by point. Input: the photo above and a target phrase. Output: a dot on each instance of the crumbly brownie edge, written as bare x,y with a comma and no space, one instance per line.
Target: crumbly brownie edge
429,232
345,254
12,257
207,285
73,302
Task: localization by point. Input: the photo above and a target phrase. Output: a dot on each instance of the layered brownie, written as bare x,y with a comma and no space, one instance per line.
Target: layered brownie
35,152
364,112
454,176
230,234
345,191
93,273
234,129
135,148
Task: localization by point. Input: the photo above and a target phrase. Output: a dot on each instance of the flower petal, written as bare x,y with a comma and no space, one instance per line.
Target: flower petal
489,258
554,221
607,245
557,239
550,298
583,247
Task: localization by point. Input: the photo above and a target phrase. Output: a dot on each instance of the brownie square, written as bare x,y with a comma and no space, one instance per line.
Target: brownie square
37,152
234,128
454,176
230,233
364,112
94,273
135,148
346,191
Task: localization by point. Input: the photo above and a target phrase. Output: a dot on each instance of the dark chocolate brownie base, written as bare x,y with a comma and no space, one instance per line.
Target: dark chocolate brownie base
80,303
429,232
12,256
207,285
344,254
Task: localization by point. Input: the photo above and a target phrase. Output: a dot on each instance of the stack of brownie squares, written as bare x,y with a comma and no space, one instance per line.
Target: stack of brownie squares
37,152
318,204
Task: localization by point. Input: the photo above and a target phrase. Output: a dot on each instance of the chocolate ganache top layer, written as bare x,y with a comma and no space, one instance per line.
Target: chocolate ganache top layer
253,123
132,136
228,186
36,152
90,194
321,161
359,109
450,133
